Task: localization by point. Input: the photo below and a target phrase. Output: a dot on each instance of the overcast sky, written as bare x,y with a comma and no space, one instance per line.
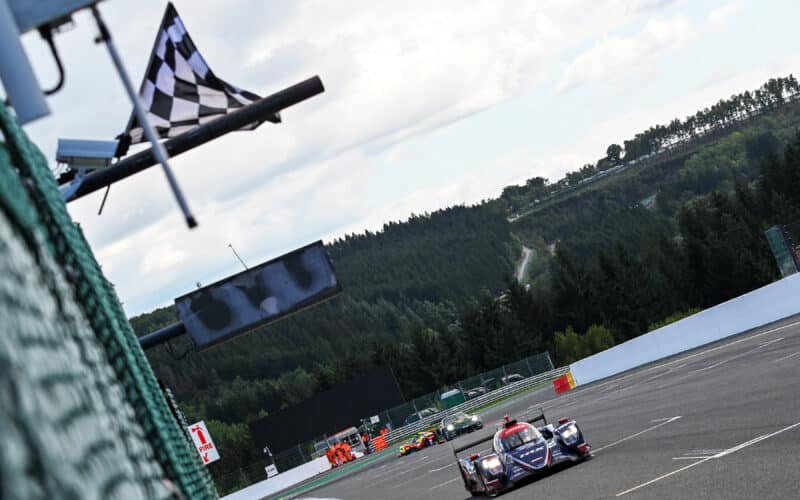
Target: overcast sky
427,105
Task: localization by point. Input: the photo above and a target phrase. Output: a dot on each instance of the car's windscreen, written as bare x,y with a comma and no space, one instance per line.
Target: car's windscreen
525,435
457,418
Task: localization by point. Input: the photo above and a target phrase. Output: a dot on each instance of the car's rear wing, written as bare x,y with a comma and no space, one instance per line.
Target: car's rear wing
538,418
472,444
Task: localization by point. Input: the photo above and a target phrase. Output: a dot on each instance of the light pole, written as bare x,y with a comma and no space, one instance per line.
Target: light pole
237,256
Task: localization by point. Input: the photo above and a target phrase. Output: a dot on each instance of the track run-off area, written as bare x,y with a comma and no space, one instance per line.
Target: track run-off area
719,422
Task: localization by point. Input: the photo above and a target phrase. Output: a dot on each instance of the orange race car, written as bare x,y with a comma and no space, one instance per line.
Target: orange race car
419,441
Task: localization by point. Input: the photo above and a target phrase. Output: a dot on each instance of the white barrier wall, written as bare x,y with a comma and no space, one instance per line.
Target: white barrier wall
773,302
284,479
281,481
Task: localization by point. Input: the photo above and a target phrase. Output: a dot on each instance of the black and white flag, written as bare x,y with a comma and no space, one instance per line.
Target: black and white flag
179,90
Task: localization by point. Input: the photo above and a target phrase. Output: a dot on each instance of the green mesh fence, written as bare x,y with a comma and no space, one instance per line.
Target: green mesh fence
100,376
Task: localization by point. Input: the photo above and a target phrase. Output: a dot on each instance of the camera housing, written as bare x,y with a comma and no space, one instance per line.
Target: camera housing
80,154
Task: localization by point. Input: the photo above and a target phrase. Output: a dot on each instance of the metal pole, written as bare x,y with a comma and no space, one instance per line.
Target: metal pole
158,150
389,419
160,336
19,80
530,370
251,113
237,256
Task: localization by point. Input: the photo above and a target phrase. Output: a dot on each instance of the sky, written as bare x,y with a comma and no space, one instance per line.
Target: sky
427,105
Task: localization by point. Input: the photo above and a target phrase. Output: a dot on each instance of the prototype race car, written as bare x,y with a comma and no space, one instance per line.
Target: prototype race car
519,451
419,441
459,423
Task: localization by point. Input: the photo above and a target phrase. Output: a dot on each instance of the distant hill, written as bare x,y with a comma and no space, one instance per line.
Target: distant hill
671,222
418,272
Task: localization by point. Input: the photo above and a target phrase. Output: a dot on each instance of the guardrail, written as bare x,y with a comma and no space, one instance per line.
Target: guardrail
401,433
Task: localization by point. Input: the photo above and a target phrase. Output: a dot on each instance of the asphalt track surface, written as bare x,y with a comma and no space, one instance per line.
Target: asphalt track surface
719,422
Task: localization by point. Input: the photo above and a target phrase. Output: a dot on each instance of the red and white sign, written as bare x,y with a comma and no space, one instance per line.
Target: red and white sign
202,440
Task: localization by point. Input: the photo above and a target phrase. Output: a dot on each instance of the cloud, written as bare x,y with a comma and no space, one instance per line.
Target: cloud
612,56
393,72
722,15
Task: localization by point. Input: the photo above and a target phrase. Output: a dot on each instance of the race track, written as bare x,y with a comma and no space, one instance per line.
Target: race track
719,422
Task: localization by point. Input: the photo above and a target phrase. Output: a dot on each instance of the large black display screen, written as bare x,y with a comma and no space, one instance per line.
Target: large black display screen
328,412
259,295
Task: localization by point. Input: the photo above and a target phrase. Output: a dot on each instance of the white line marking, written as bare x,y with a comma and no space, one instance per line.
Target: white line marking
706,459
444,483
671,419
680,358
399,485
697,454
770,342
740,355
785,357
440,468
669,370
684,358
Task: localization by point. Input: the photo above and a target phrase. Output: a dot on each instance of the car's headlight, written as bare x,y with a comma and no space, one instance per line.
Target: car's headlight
450,427
492,465
474,418
569,434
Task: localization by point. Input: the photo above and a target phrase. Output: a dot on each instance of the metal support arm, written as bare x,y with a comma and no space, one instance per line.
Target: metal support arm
254,112
157,337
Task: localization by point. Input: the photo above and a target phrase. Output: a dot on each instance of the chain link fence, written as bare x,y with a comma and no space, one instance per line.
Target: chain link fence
470,388
417,409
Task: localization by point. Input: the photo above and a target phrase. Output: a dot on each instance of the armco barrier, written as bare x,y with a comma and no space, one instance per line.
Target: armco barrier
770,303
488,398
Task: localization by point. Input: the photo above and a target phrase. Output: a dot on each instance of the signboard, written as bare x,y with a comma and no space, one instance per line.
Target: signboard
259,295
374,419
271,470
782,250
202,441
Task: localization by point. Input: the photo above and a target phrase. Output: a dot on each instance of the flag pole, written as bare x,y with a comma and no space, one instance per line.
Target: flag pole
202,134
159,152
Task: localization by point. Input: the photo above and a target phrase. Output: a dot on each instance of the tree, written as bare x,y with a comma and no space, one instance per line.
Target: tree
614,152
598,338
569,346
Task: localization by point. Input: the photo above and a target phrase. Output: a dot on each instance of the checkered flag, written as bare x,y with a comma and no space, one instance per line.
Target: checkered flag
179,90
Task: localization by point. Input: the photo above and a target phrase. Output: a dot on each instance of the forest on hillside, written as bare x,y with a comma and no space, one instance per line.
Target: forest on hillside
433,297
418,273
657,142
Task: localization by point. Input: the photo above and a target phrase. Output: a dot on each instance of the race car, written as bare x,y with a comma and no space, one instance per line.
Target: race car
419,441
459,423
520,450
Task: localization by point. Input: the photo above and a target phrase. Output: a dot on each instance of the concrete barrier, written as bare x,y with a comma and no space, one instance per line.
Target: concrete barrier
283,480
770,303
